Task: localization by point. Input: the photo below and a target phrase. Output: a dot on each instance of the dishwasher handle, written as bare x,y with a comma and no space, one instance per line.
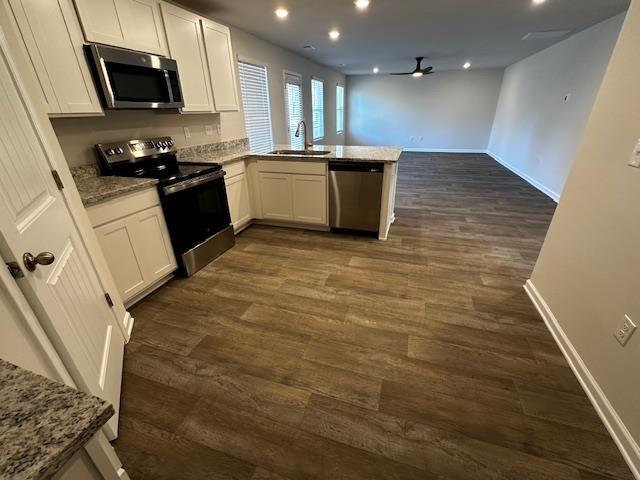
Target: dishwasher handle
356,167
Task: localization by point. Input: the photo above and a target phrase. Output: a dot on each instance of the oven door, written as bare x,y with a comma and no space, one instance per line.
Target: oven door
197,214
131,79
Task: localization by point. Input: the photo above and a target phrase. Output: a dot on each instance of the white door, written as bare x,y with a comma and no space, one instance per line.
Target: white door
66,294
222,67
309,193
102,21
186,46
275,192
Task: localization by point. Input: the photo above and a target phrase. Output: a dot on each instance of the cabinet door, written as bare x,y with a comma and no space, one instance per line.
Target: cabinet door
239,204
143,27
116,240
152,244
52,35
222,66
186,46
309,193
102,21
275,192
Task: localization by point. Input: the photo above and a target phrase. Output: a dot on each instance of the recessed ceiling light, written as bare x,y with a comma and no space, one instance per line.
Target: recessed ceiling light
334,34
362,4
466,65
282,13
538,2
417,74
376,69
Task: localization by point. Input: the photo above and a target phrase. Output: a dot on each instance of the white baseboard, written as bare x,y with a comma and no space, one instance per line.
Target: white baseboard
547,191
444,150
618,431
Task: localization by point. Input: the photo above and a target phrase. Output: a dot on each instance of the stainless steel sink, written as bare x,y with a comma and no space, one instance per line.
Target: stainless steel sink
300,152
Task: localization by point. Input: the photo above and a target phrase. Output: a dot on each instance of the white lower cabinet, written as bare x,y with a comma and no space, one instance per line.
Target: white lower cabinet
309,199
275,193
134,238
293,191
239,203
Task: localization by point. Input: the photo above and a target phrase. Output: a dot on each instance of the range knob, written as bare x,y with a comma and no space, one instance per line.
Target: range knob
170,142
158,144
110,152
119,150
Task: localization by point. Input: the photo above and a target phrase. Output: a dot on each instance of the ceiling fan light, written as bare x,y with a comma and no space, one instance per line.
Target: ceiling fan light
417,74
361,4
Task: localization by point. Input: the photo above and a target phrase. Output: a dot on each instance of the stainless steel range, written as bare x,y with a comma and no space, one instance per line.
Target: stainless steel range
193,196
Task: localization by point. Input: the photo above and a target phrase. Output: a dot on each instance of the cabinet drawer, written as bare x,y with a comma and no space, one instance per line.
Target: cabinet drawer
286,166
123,206
234,169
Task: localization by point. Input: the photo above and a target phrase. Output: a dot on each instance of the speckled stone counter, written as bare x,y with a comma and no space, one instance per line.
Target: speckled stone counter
340,152
95,189
221,152
43,423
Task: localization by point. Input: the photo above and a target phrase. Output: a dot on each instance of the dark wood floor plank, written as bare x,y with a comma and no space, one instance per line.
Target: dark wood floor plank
310,355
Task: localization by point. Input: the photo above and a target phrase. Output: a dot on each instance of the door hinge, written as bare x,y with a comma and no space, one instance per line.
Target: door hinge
58,180
15,270
108,298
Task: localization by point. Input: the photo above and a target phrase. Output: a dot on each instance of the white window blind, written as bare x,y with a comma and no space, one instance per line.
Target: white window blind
254,86
339,109
317,100
293,96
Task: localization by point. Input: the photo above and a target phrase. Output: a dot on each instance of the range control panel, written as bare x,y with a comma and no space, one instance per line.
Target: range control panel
133,150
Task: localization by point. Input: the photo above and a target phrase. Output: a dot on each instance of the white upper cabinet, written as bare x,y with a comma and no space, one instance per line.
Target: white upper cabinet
132,24
221,66
53,40
102,21
186,46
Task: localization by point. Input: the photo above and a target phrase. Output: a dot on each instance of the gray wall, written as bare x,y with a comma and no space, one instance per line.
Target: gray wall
589,265
536,133
450,110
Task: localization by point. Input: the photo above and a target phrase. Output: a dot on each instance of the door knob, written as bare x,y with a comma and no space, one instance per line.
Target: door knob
31,262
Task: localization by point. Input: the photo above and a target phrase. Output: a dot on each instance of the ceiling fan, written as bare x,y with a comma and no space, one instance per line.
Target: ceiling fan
419,71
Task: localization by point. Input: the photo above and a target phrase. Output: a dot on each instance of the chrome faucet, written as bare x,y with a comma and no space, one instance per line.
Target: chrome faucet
307,146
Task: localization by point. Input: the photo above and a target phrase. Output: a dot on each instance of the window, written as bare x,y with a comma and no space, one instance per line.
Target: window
317,101
339,109
254,86
293,99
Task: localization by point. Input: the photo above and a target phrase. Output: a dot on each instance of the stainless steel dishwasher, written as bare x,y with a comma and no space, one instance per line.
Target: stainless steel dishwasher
355,195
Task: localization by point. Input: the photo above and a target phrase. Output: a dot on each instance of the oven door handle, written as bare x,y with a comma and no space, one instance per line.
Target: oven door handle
194,182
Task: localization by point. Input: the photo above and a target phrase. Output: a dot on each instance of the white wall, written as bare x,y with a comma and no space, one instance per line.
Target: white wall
450,110
277,60
535,132
589,268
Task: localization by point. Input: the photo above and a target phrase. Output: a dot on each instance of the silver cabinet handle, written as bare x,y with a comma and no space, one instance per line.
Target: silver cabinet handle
31,262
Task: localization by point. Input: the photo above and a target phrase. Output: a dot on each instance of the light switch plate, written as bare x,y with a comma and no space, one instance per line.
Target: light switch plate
635,156
187,132
623,334
219,129
208,129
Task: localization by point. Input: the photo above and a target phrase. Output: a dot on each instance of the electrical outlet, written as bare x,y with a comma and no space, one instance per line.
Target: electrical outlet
623,334
208,130
635,156
187,132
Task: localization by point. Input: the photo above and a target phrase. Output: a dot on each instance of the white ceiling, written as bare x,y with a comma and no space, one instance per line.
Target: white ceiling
390,33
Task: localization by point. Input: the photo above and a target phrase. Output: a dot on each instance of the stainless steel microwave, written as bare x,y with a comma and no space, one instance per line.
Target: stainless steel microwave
129,79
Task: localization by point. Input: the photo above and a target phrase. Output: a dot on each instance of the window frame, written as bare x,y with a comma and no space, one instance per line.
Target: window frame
340,110
313,126
296,77
257,63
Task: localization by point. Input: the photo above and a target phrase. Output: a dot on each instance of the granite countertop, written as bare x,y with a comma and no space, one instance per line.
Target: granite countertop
43,423
340,152
95,189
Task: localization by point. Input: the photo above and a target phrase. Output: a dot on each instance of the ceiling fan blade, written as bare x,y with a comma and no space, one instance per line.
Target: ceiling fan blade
407,73
427,70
